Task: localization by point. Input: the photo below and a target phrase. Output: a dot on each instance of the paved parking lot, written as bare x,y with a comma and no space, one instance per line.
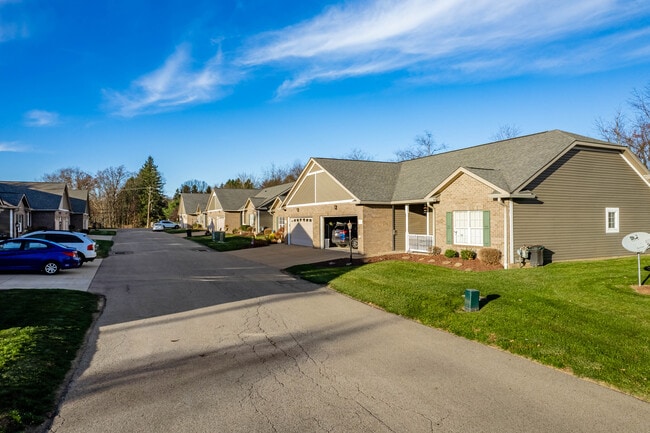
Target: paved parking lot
72,279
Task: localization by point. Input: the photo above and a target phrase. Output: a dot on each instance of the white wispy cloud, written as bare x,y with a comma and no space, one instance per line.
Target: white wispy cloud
174,85
10,29
41,118
449,37
11,146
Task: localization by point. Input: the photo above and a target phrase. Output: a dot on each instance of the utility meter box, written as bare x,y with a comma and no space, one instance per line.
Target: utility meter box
471,300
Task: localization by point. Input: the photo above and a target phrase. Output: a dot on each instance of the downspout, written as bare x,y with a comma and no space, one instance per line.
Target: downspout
11,223
506,228
512,230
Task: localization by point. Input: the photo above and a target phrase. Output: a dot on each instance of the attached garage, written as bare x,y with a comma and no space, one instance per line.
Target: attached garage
301,231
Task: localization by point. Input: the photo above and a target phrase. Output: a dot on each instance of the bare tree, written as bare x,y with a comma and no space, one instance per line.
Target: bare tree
634,134
358,155
280,175
506,132
74,177
109,184
424,145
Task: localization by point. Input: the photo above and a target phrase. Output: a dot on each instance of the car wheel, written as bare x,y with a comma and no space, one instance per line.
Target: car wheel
176,226
51,268
82,259
355,244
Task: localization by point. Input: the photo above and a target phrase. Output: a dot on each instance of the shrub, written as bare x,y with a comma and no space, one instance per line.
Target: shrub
490,256
435,250
451,253
467,254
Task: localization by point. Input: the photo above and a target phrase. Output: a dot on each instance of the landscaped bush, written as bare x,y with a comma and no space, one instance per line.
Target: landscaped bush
451,253
435,250
490,256
467,254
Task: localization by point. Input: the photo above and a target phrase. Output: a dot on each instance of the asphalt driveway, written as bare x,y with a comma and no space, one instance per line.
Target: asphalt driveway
192,340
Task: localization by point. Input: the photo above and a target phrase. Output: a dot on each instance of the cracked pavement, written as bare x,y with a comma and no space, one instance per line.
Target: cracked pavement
196,341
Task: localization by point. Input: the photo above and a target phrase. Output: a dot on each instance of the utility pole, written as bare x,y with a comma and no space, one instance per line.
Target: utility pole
149,209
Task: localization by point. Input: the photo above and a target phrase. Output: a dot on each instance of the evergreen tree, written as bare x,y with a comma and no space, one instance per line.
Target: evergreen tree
151,200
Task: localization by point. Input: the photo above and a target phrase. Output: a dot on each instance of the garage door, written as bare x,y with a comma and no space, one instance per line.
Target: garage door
301,231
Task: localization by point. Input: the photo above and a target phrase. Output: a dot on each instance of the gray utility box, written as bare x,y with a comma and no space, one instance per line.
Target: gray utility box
219,236
536,255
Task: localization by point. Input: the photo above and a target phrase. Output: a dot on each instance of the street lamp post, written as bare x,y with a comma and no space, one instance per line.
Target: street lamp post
350,240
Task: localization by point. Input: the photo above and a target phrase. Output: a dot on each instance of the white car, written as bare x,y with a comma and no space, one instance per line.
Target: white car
86,247
165,224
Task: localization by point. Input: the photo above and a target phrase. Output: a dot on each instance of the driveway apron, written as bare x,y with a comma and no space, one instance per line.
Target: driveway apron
193,340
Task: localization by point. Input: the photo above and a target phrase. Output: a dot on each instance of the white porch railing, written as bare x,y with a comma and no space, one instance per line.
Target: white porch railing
419,243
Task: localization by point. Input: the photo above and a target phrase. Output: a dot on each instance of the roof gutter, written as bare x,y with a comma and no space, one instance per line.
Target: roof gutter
514,195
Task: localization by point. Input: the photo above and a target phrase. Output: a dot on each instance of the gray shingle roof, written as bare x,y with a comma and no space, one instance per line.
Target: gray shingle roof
233,199
40,195
266,196
194,201
79,200
366,180
507,164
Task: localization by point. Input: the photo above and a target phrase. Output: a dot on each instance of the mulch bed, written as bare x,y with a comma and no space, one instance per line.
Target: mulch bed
427,259
644,290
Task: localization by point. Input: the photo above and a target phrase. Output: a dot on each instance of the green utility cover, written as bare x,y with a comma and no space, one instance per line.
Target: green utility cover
471,300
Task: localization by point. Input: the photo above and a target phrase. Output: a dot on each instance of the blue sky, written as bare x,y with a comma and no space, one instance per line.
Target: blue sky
215,89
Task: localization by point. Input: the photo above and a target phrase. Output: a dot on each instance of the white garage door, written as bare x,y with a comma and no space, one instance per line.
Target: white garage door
301,231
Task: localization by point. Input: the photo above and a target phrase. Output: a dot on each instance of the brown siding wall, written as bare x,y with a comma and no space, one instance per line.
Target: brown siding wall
417,219
467,193
568,217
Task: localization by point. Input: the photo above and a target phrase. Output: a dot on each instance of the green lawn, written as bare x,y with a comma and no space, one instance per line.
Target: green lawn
232,242
581,317
40,334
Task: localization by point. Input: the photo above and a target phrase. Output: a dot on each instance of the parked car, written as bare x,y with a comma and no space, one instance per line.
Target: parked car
86,247
342,238
158,227
22,254
166,224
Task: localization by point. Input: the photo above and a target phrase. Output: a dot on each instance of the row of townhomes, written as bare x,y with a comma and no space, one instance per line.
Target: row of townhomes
229,209
574,195
41,205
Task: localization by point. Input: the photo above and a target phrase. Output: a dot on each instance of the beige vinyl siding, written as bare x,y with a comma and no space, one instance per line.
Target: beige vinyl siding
399,227
568,217
306,193
327,190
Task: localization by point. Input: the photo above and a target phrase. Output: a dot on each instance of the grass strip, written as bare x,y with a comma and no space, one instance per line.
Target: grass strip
581,317
231,243
41,332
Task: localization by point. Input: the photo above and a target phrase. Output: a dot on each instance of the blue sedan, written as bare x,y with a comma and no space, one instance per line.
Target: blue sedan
36,255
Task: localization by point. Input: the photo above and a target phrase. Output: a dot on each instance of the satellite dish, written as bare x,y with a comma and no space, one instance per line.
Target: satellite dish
637,242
